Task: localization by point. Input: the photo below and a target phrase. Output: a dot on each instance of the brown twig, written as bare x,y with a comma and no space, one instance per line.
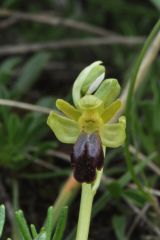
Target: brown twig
152,226
57,21
142,157
137,219
25,106
7,22
59,154
68,43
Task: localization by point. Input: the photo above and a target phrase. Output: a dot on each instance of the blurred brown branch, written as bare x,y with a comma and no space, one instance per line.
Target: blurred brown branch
25,106
69,43
57,21
151,225
8,22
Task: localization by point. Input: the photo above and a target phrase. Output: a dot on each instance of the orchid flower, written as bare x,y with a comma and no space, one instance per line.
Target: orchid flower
88,124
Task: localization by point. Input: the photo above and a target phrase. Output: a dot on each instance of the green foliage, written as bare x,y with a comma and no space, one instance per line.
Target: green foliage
25,233
119,224
15,150
6,69
30,232
30,73
46,231
2,218
60,225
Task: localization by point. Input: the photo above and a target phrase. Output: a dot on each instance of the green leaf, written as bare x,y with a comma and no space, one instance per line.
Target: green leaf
23,225
138,168
115,189
61,224
119,224
135,196
33,231
6,69
30,73
2,218
48,225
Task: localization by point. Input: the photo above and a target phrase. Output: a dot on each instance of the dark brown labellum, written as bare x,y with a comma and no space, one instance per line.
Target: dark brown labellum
86,157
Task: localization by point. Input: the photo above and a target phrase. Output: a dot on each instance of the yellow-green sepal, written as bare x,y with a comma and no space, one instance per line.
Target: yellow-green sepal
82,80
108,91
110,111
65,129
113,135
68,109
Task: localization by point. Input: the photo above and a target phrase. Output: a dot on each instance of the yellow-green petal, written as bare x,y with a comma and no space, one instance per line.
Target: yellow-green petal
65,129
108,91
110,111
113,135
68,109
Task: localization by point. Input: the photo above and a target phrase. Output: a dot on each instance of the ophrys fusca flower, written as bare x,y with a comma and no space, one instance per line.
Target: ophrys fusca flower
87,124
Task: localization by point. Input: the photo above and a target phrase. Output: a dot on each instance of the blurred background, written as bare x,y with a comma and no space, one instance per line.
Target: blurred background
43,47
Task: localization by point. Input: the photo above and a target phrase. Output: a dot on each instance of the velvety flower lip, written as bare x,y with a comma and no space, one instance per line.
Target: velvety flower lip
88,125
87,156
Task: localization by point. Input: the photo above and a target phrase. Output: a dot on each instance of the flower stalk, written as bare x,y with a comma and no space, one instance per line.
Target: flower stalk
85,212
87,196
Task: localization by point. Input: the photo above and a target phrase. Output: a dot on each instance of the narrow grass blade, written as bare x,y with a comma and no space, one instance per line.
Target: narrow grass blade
33,231
23,225
144,50
119,224
61,224
30,73
49,225
2,218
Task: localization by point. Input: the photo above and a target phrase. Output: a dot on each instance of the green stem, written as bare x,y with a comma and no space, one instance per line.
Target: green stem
15,195
85,212
87,196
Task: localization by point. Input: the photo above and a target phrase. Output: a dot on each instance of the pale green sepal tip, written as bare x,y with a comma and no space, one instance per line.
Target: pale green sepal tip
65,129
93,75
108,91
78,84
113,135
